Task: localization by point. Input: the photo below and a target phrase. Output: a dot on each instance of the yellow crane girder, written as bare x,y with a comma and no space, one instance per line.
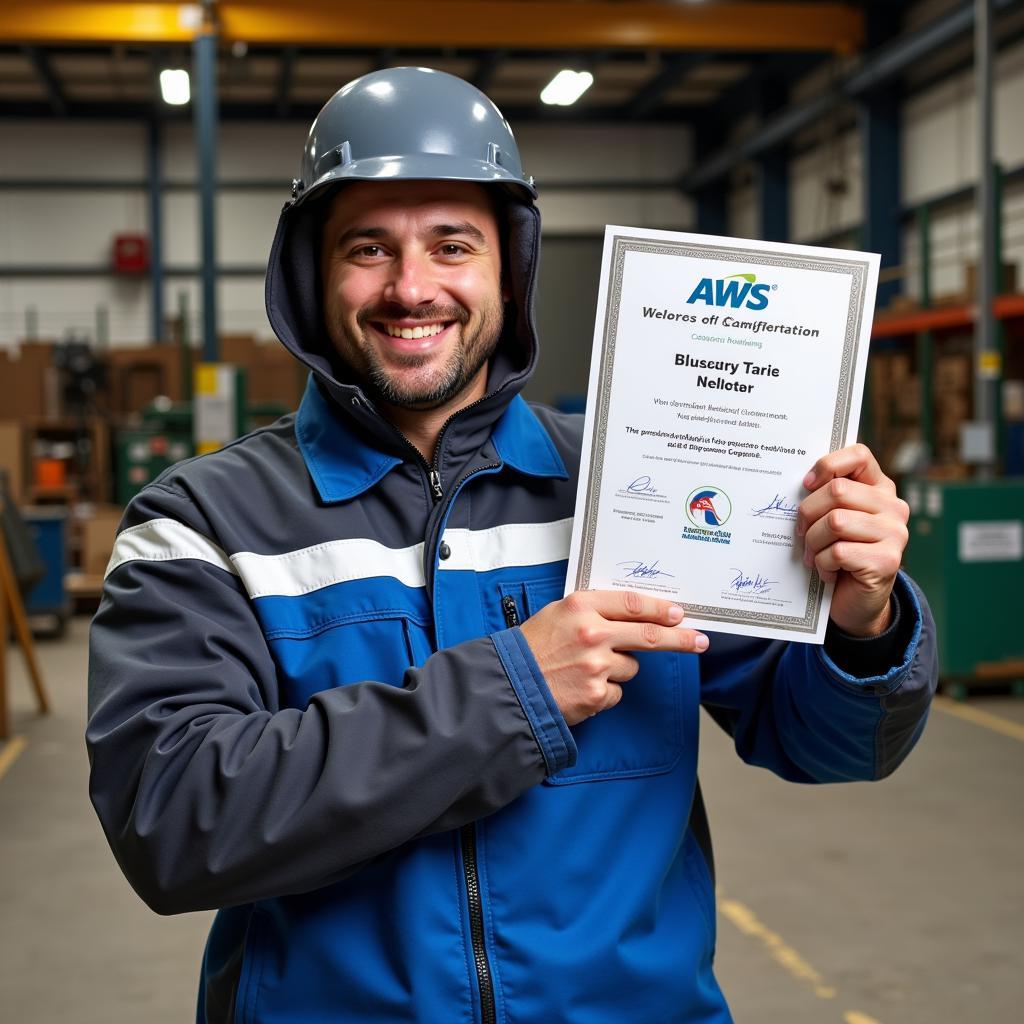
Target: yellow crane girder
526,24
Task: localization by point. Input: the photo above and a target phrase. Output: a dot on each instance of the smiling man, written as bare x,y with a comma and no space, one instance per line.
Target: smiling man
412,295
336,692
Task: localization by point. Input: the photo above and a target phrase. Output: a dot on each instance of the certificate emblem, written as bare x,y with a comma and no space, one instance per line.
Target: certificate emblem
708,508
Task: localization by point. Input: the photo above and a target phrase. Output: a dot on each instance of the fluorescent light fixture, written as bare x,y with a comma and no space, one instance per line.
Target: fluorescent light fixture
566,87
174,86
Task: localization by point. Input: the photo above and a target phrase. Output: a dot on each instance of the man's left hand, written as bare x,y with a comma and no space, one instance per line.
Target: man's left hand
855,529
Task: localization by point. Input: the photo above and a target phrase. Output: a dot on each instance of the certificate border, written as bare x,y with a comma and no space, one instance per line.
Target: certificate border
858,270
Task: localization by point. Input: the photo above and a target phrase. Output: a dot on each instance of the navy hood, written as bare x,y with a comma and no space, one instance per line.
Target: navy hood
294,300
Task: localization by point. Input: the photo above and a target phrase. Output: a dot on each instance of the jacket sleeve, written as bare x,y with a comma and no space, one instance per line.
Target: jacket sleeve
211,794
793,709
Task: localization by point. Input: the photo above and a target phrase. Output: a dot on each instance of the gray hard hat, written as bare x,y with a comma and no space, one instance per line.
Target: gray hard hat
399,124
410,123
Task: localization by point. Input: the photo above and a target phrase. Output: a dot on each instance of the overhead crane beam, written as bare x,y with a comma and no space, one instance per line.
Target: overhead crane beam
558,24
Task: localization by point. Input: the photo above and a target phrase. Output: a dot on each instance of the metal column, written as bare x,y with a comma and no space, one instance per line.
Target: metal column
773,172
156,255
880,143
712,212
987,371
204,53
772,95
925,340
712,217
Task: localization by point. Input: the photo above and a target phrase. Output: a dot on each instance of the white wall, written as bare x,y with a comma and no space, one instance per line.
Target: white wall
939,155
815,209
75,227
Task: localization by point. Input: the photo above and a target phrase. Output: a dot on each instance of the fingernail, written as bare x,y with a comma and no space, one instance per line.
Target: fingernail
675,614
808,557
800,529
701,642
809,479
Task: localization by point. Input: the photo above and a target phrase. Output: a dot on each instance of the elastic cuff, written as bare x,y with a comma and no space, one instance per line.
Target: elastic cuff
860,655
878,663
549,727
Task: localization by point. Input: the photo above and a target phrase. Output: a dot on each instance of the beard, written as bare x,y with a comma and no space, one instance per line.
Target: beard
395,381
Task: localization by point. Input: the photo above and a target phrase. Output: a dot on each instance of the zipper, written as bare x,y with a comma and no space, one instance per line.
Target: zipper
434,470
488,1011
508,606
467,834
435,485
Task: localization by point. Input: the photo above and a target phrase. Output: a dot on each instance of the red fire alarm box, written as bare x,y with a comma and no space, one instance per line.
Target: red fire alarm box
131,254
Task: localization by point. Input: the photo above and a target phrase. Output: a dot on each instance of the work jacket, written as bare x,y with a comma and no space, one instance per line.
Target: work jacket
312,707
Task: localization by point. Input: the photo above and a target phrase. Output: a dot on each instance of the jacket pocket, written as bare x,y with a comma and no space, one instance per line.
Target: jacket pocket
643,734
380,647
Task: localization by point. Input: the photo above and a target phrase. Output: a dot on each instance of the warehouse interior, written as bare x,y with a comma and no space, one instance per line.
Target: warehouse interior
134,237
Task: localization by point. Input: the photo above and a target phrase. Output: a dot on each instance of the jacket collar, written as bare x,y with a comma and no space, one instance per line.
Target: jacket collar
522,443
343,464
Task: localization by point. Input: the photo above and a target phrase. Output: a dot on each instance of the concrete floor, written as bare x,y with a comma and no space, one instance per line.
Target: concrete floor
895,903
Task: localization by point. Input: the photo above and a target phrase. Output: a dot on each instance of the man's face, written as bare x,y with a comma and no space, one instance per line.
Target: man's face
412,287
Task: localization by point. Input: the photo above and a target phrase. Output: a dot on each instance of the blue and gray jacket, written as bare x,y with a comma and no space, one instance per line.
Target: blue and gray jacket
312,709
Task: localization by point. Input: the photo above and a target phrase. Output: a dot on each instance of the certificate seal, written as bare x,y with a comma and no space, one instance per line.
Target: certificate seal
708,509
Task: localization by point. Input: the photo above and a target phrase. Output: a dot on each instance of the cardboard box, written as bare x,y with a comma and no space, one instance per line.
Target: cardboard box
278,380
97,530
950,411
1013,400
138,375
238,349
908,399
952,372
12,458
1006,284
23,381
902,304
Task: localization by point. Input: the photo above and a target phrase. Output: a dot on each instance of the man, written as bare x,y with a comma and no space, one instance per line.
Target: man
334,691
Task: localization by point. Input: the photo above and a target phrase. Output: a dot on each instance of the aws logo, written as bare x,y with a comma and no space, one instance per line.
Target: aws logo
735,291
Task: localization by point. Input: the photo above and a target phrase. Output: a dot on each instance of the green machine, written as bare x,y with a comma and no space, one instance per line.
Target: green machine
966,551
141,454
166,435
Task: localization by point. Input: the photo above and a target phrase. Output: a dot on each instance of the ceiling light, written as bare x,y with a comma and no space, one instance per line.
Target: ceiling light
566,87
174,86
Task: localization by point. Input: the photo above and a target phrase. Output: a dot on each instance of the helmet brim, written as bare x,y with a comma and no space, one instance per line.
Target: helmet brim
421,166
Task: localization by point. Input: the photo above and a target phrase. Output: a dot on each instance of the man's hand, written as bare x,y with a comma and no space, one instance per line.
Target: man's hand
578,643
855,529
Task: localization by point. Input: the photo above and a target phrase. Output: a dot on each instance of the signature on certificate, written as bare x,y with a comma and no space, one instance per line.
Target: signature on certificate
780,505
637,570
755,584
642,485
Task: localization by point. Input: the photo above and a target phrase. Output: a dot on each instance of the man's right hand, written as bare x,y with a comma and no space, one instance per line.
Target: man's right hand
578,643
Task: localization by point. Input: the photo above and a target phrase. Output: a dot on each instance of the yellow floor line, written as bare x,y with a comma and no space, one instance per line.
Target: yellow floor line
787,957
747,922
10,753
1004,726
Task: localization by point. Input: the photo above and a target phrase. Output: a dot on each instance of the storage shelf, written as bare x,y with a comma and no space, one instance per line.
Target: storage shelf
894,325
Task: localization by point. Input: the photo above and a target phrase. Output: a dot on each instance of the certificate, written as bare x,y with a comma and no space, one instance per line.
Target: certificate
722,369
